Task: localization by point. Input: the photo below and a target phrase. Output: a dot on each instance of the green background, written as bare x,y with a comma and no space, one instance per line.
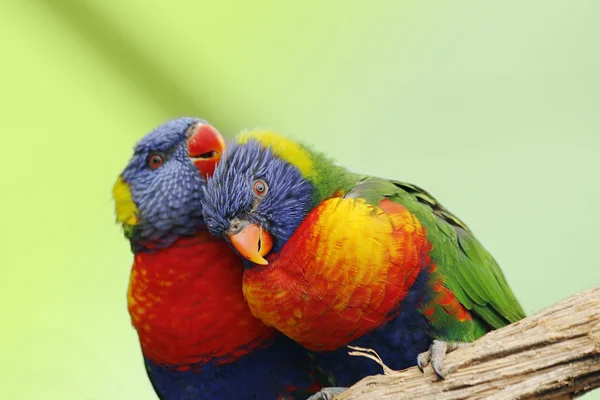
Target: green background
491,106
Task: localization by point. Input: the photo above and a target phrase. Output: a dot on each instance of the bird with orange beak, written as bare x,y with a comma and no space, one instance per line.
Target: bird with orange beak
335,258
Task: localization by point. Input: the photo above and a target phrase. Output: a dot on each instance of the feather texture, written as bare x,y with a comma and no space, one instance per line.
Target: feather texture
332,283
373,262
197,334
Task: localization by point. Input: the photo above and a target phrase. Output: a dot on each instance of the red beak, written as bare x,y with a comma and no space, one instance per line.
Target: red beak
205,147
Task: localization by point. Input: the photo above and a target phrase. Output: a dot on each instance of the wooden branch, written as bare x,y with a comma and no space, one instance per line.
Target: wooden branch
554,354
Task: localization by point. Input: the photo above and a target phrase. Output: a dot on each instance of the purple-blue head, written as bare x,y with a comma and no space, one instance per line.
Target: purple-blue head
158,195
260,193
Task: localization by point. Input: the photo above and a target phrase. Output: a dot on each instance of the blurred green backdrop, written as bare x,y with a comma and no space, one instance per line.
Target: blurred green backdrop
492,106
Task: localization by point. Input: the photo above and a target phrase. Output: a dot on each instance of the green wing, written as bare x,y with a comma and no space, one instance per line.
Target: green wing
470,272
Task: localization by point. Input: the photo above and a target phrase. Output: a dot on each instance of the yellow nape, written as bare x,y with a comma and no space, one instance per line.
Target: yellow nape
125,208
284,148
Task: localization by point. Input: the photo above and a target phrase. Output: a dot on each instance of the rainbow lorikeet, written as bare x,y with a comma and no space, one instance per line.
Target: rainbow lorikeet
198,337
336,258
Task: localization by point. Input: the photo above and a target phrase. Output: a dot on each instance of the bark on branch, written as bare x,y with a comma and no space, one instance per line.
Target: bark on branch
554,354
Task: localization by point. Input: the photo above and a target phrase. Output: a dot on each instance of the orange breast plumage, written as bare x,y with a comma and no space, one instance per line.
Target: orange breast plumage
342,274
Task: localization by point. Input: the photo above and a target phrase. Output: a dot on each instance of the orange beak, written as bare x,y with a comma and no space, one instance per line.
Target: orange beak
205,147
253,243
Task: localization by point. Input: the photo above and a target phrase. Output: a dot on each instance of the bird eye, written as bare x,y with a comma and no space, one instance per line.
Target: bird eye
260,187
155,160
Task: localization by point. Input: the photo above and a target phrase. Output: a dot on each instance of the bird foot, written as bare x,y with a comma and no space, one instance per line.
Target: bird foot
327,393
436,353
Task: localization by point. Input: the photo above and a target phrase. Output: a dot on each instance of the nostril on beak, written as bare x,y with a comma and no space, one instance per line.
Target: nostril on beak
236,226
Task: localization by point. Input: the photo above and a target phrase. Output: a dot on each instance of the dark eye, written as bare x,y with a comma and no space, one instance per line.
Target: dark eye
155,160
260,187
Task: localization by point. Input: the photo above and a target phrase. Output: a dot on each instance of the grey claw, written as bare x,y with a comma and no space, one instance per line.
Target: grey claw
438,368
423,360
436,354
327,393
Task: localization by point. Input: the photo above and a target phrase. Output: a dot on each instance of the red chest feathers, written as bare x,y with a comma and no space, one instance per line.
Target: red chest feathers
187,306
343,273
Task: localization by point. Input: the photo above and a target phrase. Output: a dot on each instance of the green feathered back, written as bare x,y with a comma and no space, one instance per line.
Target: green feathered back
470,272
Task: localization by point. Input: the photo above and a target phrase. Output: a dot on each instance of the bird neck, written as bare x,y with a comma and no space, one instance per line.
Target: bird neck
329,179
